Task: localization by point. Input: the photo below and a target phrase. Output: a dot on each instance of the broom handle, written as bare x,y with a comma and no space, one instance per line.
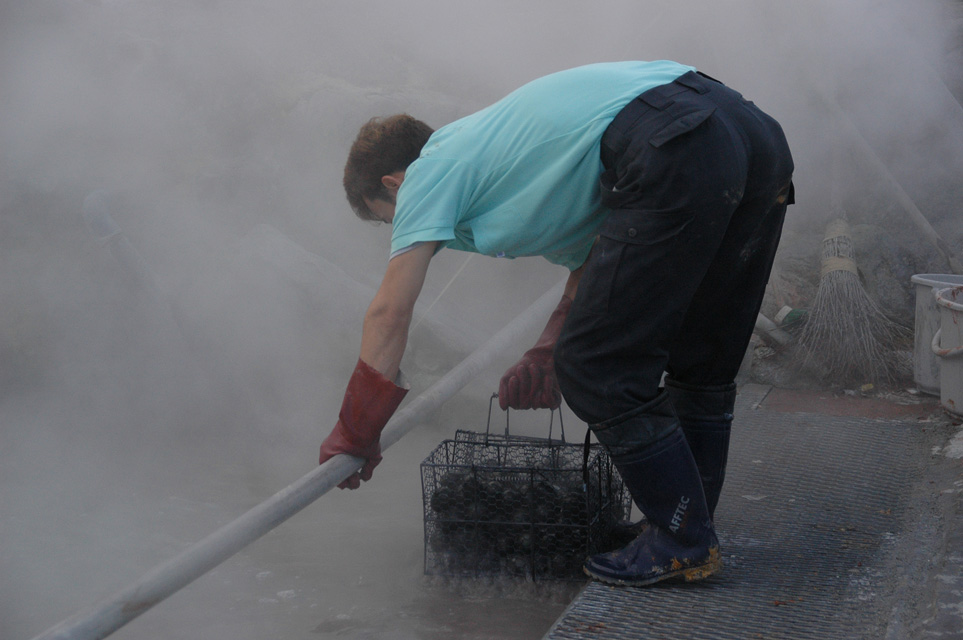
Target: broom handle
902,197
103,618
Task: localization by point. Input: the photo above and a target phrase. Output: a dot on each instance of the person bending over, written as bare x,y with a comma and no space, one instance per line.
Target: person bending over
663,191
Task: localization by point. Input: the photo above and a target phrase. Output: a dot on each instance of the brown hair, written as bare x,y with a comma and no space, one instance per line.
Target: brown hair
383,146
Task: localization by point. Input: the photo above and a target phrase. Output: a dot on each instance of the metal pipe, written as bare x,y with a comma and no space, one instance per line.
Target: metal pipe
103,618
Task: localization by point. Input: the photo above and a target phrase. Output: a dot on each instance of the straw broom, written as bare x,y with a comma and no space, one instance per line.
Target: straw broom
847,338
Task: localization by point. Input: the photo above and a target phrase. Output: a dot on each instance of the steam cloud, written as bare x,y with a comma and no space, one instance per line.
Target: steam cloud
134,421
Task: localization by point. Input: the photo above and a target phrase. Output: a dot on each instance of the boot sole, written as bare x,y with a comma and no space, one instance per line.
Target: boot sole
689,574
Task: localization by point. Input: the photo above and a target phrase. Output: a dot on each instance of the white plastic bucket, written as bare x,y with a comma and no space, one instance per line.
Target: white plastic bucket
926,366
948,347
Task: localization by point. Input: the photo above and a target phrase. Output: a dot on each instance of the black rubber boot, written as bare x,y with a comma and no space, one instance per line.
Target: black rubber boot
705,414
624,532
661,475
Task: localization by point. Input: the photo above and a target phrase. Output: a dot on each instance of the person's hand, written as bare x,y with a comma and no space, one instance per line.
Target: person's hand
530,383
338,441
369,402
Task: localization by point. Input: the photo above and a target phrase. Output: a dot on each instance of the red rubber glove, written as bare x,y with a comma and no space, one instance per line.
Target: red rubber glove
369,402
530,383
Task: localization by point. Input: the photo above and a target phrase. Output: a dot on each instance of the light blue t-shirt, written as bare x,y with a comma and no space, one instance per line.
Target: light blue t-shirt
521,177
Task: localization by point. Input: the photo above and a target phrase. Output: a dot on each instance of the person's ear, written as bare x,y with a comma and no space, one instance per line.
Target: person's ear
393,181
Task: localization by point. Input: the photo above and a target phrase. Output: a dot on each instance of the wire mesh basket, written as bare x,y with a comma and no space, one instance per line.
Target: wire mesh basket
518,506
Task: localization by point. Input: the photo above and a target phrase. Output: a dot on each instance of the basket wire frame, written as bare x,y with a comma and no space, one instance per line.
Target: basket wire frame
518,506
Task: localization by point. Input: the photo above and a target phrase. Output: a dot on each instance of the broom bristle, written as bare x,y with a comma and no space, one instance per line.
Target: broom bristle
847,338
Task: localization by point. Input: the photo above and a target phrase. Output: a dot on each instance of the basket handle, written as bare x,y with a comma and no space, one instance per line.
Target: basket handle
488,426
561,424
939,351
586,450
551,419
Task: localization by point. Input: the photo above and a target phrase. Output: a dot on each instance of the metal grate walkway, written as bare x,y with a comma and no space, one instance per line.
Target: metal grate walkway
809,524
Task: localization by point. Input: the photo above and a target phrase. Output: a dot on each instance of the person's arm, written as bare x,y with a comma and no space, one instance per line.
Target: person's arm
372,395
385,332
530,383
571,285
